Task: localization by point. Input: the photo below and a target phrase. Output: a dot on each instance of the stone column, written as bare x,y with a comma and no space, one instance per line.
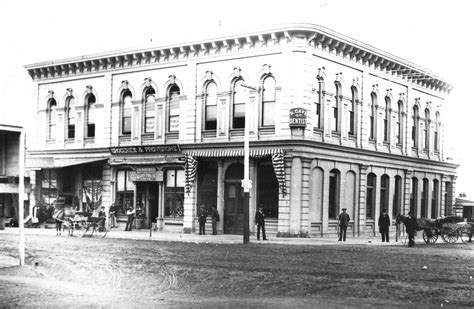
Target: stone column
362,199
406,193
295,198
220,196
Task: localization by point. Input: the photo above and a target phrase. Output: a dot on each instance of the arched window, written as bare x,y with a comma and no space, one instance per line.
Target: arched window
126,112
352,108
426,130
52,119
414,195
268,102
436,132
372,115
386,121
435,199
371,196
90,115
238,105
317,105
70,117
424,198
173,108
415,126
384,192
149,110
210,97
398,136
335,108
334,179
397,196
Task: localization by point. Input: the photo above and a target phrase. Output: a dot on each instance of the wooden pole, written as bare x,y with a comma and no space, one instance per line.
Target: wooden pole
21,197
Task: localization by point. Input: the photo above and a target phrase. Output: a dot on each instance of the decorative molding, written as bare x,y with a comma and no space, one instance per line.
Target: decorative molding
147,81
125,84
89,89
237,71
69,92
172,79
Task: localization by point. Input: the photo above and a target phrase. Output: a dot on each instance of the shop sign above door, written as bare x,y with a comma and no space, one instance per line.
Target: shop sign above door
145,174
163,149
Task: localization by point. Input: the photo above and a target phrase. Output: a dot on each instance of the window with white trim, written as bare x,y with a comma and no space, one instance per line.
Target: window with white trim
149,110
210,106
126,112
238,105
268,101
90,115
173,108
51,114
70,117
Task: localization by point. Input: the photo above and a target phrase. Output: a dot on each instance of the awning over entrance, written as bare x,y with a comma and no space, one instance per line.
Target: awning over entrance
51,162
277,156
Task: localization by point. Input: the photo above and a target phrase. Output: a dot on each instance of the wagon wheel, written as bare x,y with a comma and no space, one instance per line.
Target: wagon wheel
430,236
465,233
84,228
101,231
449,235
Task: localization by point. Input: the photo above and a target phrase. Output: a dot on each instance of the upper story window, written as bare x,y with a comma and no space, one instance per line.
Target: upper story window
173,108
149,110
238,105
335,109
51,119
386,120
70,117
318,103
414,128
210,103
436,132
268,101
426,130
399,119
372,114
126,112
352,108
90,115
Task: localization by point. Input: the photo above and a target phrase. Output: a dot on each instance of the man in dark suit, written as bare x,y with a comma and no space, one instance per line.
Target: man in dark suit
384,224
343,224
260,221
411,226
202,220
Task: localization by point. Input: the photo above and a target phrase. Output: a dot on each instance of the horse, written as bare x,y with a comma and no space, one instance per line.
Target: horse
65,218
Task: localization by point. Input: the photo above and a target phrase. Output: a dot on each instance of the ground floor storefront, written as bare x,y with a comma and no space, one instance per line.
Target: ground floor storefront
302,188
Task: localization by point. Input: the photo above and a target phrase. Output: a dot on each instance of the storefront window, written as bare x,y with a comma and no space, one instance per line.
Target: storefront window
125,189
49,182
174,193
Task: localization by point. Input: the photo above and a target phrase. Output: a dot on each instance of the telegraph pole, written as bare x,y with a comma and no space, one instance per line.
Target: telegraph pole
246,182
21,197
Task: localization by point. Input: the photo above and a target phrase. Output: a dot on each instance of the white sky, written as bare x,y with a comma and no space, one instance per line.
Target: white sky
434,34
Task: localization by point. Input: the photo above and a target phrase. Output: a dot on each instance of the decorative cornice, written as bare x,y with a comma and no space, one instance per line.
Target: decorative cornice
317,37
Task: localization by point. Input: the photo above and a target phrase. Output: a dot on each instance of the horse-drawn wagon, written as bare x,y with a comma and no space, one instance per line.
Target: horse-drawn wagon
84,222
450,229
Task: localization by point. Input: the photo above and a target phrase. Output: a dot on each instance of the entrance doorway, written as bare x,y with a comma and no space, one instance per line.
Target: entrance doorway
147,202
234,200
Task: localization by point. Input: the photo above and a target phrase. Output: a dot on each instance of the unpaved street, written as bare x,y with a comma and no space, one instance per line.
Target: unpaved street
120,273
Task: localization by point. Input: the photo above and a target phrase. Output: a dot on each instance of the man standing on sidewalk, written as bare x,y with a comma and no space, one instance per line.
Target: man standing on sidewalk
343,223
260,221
384,224
130,217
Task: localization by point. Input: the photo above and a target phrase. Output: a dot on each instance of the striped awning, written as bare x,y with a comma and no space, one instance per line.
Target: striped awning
228,153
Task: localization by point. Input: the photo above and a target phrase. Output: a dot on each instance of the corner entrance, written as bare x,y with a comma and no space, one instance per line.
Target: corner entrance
234,200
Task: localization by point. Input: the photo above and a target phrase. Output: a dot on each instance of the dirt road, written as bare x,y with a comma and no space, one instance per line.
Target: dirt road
72,271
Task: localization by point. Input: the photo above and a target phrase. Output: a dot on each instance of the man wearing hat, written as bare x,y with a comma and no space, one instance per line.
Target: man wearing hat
384,224
411,226
343,223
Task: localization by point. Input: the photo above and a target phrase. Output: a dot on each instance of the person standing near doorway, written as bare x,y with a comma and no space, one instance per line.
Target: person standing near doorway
215,219
130,216
343,224
112,216
202,220
384,224
260,221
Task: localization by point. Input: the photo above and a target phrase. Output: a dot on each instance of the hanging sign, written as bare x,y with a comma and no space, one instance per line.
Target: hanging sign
145,174
297,117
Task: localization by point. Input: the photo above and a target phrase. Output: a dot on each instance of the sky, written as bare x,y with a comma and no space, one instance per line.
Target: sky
433,34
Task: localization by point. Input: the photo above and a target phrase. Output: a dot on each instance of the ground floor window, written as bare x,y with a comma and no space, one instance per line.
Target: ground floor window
333,193
125,189
207,184
174,193
397,197
267,189
370,202
49,184
414,195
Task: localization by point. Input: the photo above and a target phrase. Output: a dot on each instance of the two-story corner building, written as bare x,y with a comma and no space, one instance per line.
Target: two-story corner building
333,123
9,175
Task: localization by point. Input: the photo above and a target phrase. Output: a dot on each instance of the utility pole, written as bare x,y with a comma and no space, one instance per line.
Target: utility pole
246,182
21,197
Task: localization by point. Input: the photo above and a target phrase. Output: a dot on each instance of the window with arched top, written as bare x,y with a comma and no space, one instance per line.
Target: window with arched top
426,130
317,105
436,132
126,112
51,113
371,196
149,110
424,198
268,101
415,126
435,199
397,196
384,192
173,108
90,115
210,106
238,105
70,117
399,120
352,108
372,114
336,105
414,195
386,121
334,188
